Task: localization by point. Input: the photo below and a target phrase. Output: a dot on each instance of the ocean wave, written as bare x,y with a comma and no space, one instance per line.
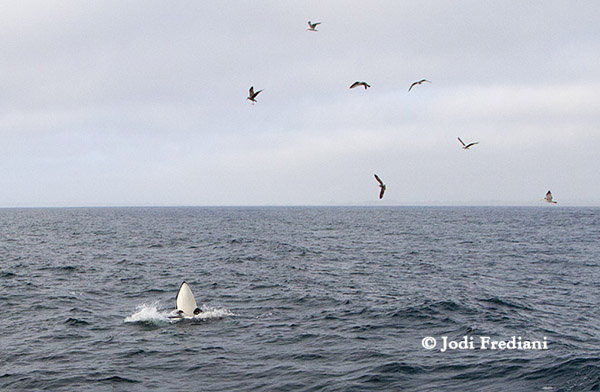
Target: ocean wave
433,308
76,322
574,374
507,303
118,380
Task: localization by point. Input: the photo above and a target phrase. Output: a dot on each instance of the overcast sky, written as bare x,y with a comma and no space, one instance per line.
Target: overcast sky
143,103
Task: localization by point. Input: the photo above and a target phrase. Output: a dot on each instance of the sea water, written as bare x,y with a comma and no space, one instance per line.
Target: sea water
301,298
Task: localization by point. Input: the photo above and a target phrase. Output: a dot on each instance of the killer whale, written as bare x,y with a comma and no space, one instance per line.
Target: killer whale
185,303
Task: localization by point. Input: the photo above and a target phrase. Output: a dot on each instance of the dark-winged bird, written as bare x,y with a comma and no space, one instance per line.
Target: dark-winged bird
419,82
381,185
252,95
364,84
548,198
313,26
466,146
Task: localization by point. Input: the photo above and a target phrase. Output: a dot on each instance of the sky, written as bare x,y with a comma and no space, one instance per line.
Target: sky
143,103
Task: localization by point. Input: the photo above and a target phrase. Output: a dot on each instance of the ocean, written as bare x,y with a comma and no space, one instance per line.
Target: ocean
301,299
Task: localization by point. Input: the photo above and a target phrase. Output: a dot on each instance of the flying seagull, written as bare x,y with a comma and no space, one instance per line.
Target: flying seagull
466,146
313,26
548,198
364,84
252,95
419,82
381,185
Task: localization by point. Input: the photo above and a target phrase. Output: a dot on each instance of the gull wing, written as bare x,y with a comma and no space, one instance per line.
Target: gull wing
382,192
461,142
379,180
418,82
471,144
355,84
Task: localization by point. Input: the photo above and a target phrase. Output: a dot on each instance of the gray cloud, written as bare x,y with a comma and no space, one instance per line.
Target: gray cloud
143,103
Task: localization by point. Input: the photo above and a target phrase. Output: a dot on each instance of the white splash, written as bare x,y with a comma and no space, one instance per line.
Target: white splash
209,312
148,313
151,314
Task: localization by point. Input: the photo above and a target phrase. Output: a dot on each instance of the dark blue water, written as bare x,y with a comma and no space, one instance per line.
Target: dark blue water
307,299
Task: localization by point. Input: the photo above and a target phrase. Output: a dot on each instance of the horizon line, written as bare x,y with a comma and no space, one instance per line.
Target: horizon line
340,205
